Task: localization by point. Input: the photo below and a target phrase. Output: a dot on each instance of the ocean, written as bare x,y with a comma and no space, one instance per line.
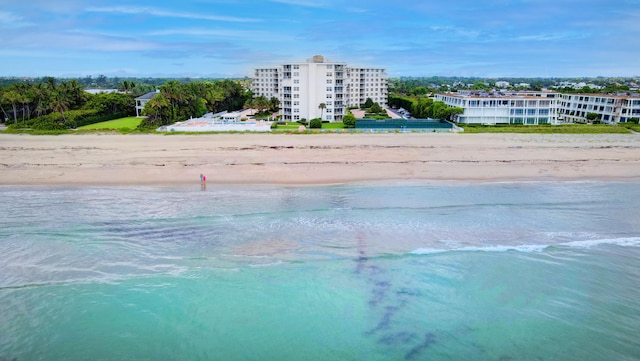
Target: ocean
394,271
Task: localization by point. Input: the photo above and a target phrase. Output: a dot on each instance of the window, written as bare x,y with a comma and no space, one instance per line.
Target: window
296,103
329,73
296,88
329,81
296,73
329,96
296,110
296,81
296,66
329,88
296,96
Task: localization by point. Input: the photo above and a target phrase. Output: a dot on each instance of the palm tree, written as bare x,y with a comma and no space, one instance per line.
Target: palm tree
13,97
60,103
322,107
154,107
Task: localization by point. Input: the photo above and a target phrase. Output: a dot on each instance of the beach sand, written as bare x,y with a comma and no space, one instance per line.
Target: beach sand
110,159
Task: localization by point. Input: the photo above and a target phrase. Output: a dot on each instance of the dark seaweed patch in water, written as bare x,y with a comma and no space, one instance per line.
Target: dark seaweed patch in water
381,289
398,338
379,292
2,358
409,292
429,339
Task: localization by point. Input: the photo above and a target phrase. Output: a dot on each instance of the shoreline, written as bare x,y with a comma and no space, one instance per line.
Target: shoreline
324,159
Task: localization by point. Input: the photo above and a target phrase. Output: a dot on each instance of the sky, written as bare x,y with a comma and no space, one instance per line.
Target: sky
228,38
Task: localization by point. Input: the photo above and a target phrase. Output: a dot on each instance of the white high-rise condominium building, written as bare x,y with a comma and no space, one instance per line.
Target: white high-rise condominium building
302,87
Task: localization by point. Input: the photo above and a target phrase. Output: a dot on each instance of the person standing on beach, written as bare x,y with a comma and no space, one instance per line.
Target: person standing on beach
203,182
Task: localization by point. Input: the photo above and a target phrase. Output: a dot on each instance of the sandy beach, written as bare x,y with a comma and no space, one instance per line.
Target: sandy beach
106,159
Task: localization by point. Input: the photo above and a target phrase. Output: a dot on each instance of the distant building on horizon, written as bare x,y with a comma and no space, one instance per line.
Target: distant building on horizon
302,86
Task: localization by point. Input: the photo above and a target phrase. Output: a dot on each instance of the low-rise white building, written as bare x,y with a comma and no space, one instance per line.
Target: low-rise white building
609,108
302,87
504,108
540,107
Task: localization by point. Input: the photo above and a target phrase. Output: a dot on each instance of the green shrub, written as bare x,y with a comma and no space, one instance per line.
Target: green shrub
274,125
315,123
376,108
349,121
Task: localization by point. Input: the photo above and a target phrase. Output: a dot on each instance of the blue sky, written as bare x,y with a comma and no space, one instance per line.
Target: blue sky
227,38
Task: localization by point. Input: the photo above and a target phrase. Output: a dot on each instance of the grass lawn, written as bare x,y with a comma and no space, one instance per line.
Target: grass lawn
128,122
632,126
545,129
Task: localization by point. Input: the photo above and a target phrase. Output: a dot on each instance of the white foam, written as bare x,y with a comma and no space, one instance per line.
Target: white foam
428,251
531,248
525,248
624,242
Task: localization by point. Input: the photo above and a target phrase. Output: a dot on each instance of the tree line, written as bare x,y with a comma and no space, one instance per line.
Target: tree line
424,107
57,105
177,101
54,105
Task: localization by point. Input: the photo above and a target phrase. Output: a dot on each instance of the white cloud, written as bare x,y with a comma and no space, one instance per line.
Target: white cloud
305,3
11,20
77,41
252,35
135,10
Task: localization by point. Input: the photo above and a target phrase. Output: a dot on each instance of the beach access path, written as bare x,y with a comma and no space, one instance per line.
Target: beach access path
297,159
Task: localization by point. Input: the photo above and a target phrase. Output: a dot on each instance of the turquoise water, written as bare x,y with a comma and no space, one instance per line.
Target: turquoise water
482,271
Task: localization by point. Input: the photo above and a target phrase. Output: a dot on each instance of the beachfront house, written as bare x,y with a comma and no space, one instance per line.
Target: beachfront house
142,100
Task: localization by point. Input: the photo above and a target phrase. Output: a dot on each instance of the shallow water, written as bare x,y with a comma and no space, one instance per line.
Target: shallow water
485,271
